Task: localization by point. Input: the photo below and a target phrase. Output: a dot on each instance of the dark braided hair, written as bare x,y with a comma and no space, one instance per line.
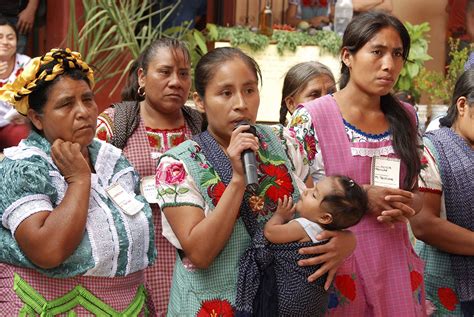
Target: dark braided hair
402,128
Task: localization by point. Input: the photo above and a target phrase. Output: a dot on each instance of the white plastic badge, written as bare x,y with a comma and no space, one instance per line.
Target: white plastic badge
148,189
125,201
385,172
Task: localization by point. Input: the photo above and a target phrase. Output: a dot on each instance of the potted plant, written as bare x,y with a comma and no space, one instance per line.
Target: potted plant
439,86
416,59
111,35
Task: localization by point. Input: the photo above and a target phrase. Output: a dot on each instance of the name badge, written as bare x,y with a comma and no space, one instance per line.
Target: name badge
125,201
385,172
148,189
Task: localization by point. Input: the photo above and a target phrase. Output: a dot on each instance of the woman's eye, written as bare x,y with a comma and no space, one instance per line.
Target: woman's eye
376,52
249,91
227,93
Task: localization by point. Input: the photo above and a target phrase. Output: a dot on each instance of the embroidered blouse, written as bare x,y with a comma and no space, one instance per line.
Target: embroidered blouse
301,123
20,62
174,177
430,177
161,140
114,243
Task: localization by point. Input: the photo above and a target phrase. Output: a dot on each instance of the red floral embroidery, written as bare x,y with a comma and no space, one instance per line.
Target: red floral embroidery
345,284
310,146
281,184
307,3
215,192
424,162
1,84
102,135
153,141
416,279
177,140
18,72
448,298
216,308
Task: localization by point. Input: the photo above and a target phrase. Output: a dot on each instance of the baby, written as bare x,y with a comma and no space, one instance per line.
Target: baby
335,203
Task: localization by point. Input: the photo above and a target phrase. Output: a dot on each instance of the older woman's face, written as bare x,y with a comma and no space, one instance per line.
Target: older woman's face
7,42
167,80
70,113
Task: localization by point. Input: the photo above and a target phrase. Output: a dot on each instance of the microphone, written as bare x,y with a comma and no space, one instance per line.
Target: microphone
250,162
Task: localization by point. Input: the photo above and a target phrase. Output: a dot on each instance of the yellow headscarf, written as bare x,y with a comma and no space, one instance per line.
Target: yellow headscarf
59,60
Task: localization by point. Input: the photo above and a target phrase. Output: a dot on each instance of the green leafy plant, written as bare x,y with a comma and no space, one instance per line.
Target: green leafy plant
439,86
115,32
417,57
328,41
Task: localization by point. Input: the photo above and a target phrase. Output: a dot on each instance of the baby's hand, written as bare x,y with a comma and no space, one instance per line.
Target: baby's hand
285,208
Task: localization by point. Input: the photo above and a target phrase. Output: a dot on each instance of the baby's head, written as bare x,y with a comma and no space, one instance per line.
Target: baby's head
336,202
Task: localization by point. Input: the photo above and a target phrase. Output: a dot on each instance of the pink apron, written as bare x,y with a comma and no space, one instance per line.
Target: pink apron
384,276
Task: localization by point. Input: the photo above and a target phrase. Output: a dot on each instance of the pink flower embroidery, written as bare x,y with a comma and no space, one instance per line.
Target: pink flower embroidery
172,174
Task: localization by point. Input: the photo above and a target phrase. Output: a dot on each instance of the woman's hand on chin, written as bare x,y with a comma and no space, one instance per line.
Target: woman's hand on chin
71,163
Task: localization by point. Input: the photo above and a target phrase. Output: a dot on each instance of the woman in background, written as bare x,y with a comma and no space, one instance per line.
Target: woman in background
11,65
152,119
304,82
444,227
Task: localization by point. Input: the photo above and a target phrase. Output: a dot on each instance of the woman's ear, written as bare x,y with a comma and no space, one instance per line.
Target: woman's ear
141,77
290,104
198,102
346,57
326,218
35,118
461,105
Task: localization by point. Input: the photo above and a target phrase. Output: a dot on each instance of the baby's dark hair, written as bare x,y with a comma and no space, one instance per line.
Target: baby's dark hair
347,207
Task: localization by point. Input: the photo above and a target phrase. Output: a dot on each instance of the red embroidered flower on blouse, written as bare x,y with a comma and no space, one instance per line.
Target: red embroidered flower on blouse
310,146
18,72
153,141
345,284
102,135
215,192
177,140
281,182
416,279
171,174
215,308
448,298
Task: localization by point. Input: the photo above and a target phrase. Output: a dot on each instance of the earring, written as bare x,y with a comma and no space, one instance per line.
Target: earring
141,91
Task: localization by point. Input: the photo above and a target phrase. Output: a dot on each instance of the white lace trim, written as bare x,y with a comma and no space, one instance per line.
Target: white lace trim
23,208
104,240
23,151
136,226
126,178
371,152
106,160
138,235
59,184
